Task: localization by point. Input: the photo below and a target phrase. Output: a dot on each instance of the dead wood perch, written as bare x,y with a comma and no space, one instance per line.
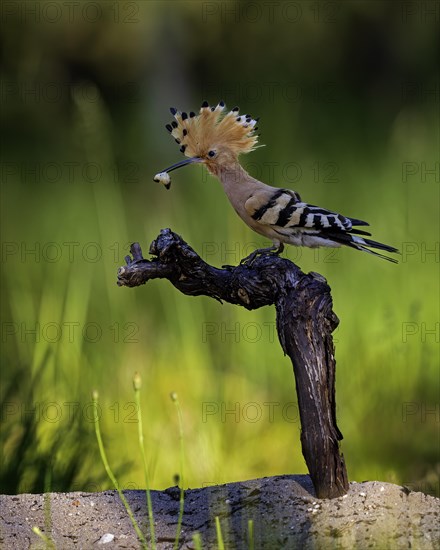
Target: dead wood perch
305,321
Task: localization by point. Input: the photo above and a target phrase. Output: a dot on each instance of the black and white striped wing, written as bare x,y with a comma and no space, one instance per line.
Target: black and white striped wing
284,209
308,225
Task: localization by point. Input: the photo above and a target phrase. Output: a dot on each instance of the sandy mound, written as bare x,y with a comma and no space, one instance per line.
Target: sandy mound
284,511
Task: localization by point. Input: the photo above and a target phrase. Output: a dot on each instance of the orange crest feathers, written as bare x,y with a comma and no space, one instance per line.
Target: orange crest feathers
211,129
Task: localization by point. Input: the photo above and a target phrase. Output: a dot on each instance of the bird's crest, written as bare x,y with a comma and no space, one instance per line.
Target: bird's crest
213,127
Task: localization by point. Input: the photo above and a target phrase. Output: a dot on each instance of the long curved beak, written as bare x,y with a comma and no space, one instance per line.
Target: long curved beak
183,163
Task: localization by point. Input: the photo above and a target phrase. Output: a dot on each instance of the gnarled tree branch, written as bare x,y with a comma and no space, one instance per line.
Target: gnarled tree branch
305,321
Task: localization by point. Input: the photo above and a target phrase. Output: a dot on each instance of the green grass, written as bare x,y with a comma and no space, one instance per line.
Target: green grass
251,541
218,530
175,400
197,541
47,541
112,476
137,383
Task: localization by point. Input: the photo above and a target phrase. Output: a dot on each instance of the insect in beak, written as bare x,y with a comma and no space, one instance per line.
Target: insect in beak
164,177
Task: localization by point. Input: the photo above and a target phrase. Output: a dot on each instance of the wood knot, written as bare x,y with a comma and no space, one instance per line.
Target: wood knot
243,295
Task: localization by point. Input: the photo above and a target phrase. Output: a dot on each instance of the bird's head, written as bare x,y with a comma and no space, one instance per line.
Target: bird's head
213,137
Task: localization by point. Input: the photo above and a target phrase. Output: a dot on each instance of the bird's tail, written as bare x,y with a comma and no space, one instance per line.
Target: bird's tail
363,244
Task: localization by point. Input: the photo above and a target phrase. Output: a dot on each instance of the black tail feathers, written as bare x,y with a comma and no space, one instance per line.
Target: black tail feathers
360,243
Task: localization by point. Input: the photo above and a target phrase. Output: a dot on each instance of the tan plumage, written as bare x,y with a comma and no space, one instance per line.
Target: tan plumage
197,134
216,139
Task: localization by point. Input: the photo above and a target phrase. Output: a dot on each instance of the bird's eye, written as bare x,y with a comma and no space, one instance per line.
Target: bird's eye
211,154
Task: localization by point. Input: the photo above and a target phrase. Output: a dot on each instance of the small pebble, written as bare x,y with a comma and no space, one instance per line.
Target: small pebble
108,537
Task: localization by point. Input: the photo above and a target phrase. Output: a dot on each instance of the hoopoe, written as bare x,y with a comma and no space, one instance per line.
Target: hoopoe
216,138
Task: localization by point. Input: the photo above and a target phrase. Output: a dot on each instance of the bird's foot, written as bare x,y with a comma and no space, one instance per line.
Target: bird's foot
249,260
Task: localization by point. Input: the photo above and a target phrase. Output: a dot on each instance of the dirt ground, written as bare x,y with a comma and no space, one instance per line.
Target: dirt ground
284,511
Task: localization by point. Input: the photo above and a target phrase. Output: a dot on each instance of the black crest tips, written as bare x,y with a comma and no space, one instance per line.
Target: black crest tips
184,116
205,104
235,110
192,114
173,110
169,127
222,103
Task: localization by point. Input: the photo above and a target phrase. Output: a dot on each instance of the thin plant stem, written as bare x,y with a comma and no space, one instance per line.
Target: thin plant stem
220,543
137,383
49,543
111,474
251,544
197,541
175,400
46,497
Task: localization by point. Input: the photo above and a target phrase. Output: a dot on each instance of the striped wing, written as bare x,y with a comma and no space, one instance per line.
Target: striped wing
308,225
284,208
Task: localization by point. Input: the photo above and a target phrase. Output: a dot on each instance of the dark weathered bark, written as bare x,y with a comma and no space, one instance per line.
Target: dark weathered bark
305,321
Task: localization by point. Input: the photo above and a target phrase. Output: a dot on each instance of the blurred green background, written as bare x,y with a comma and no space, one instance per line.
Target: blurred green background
348,95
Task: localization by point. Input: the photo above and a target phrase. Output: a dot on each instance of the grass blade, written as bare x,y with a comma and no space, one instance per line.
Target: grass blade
220,543
197,541
110,473
251,543
137,383
175,400
48,542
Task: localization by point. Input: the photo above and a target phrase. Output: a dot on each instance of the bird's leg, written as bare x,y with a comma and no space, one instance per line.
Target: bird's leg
274,249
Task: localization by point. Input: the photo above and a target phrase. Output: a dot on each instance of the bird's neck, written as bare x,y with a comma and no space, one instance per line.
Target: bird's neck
232,175
238,185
